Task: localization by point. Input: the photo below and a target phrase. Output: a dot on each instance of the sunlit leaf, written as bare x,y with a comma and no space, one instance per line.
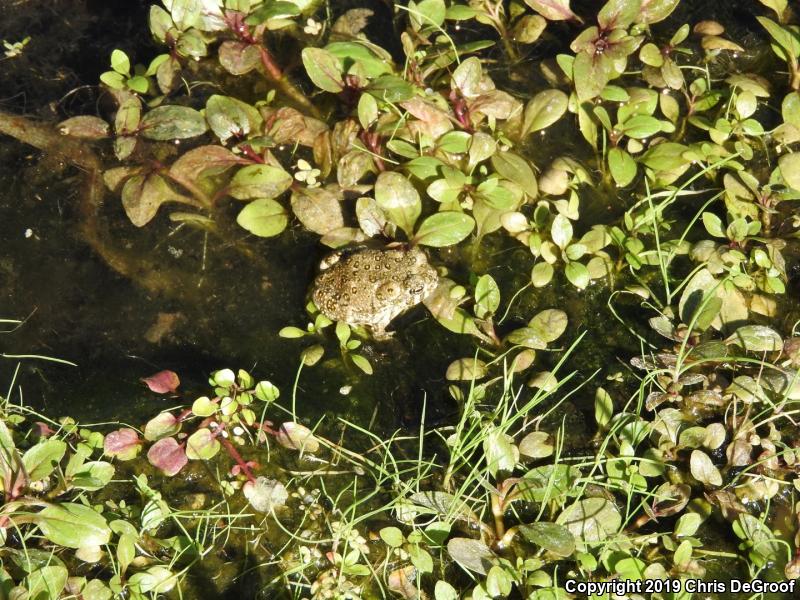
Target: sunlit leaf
324,69
73,525
123,444
163,382
167,455
297,437
444,229
263,217
591,520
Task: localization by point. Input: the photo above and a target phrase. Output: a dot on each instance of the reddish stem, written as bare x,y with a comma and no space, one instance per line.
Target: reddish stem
248,151
270,66
237,457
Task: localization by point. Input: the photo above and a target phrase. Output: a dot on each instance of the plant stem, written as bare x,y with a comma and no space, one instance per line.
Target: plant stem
286,87
231,449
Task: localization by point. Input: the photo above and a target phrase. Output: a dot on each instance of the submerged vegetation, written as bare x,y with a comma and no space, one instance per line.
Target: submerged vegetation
536,154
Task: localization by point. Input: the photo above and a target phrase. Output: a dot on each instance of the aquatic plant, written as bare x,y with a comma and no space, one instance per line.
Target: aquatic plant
622,153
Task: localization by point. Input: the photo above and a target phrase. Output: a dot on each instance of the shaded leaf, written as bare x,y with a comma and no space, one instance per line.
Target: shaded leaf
471,555
172,123
550,536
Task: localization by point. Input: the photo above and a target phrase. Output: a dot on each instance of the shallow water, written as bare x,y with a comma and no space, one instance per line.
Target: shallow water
228,309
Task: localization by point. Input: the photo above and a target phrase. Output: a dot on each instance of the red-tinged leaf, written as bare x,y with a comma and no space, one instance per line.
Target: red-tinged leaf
297,437
43,430
163,382
142,195
205,159
124,444
238,58
168,456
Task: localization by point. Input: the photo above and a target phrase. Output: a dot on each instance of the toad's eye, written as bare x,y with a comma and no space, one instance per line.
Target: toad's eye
415,285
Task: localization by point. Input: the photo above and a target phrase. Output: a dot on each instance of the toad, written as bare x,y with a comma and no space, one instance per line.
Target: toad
366,286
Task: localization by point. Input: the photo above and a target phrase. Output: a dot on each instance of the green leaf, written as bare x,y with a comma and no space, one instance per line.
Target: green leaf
590,74
427,13
618,14
713,225
113,80
544,109
577,274
392,536
541,274
499,582
398,199
267,391
318,209
391,88
549,324
120,62
528,337
230,118
204,407
73,525
420,558
264,218
157,579
516,169
487,296
603,407
549,482
93,475
172,123
561,231
45,583
471,554
362,363
138,84
162,425
784,37
591,520
466,369
653,11
622,166
641,127
324,69
367,110
650,54
362,58
41,460
443,590
789,165
202,445
550,536
259,181
703,469
757,338
444,229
